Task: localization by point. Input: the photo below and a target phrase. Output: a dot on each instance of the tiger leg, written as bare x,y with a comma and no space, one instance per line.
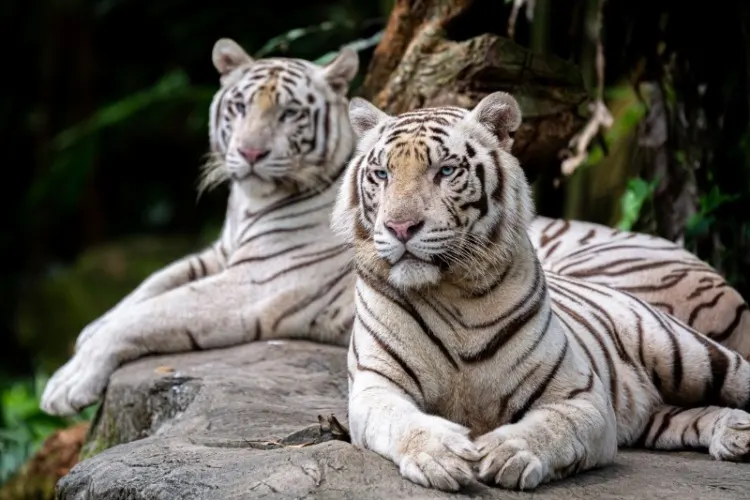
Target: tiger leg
724,432
214,312
551,442
190,268
572,431
429,450
686,367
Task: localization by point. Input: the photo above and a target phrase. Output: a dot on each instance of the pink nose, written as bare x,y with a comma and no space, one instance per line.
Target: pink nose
252,154
404,230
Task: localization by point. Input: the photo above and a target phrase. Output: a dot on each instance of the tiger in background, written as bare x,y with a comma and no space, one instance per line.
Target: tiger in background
279,133
653,269
470,361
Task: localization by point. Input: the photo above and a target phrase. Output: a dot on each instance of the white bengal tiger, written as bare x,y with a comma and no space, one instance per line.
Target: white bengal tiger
469,361
279,133
279,130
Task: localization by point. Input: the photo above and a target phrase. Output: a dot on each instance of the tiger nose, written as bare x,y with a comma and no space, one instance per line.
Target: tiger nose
404,230
253,154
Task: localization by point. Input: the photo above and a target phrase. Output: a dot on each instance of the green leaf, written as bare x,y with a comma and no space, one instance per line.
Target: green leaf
637,192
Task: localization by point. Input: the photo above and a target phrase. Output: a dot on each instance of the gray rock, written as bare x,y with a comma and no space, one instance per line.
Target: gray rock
242,423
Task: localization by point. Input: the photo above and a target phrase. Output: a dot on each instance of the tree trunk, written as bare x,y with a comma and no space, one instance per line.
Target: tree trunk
450,52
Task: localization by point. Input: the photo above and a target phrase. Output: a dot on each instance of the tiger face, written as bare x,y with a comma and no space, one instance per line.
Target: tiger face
280,122
434,194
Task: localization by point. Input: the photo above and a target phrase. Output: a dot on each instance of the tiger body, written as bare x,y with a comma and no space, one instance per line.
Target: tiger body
469,360
279,133
653,269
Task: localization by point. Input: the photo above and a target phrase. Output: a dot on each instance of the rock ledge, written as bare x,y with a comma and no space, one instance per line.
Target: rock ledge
241,423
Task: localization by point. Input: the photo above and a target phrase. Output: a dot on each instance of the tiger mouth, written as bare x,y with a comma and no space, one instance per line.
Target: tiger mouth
242,177
408,257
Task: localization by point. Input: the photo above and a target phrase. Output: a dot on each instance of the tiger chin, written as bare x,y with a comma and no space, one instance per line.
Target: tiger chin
280,138
487,367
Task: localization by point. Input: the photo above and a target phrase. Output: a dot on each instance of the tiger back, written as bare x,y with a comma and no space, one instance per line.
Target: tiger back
468,360
653,269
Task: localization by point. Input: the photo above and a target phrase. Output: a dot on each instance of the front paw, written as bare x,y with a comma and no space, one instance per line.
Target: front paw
508,461
437,453
79,383
731,437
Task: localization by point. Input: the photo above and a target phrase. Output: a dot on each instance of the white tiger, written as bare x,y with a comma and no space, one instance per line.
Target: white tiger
279,130
467,359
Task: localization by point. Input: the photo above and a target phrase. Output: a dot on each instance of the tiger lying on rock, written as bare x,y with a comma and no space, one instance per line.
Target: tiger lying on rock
280,136
469,360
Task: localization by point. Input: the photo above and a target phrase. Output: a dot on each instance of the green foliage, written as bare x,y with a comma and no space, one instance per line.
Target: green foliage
23,426
73,148
701,221
637,192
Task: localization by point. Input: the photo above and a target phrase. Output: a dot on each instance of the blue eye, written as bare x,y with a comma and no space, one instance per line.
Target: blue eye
288,113
446,171
381,174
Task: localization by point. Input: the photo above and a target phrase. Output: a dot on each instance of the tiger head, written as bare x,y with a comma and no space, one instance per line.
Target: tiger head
278,123
434,195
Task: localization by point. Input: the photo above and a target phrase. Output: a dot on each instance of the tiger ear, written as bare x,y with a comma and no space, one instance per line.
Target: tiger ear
363,116
227,55
500,114
340,72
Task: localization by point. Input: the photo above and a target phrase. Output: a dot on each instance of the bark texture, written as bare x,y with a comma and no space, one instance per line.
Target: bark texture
444,52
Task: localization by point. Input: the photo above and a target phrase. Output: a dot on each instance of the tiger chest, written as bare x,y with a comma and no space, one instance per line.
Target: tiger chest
472,396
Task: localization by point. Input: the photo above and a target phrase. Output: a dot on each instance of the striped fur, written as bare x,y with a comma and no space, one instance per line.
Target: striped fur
277,270
469,360
653,269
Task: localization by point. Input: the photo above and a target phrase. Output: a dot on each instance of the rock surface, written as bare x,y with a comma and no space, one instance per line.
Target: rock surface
241,423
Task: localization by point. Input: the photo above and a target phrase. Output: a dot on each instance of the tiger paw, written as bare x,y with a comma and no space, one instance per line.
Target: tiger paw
79,382
437,453
508,461
731,439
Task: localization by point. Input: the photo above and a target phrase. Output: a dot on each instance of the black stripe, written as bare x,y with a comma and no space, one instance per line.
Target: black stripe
319,292
260,258
194,346
541,388
400,301
301,265
392,353
517,318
